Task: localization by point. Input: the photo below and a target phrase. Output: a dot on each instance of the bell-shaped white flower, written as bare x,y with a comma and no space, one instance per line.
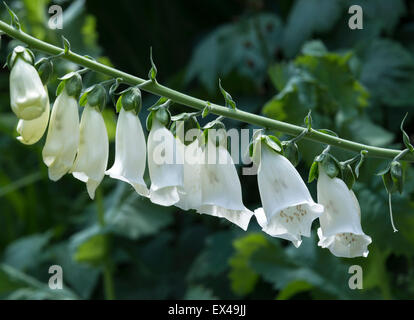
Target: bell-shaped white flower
221,194
31,131
62,137
28,97
340,230
92,158
165,166
130,152
288,208
190,197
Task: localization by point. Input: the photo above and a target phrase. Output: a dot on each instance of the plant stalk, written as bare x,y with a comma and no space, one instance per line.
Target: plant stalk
184,99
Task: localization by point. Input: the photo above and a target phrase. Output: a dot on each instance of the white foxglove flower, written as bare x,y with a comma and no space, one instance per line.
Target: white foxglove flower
31,131
28,97
62,136
165,165
92,158
190,197
340,230
288,208
221,194
130,152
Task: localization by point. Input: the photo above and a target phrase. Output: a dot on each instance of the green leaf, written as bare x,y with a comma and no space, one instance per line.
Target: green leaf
293,288
136,217
66,45
308,120
272,142
119,104
93,250
243,278
236,48
306,18
18,285
227,97
26,252
388,72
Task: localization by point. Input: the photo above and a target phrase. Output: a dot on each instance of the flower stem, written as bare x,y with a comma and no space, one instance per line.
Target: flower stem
107,265
181,98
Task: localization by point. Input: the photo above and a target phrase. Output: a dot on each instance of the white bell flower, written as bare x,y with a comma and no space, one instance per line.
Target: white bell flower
28,97
92,158
221,194
31,131
340,230
288,208
165,166
190,197
62,137
130,152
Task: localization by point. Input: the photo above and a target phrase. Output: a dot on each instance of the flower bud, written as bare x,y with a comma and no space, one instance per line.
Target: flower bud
28,97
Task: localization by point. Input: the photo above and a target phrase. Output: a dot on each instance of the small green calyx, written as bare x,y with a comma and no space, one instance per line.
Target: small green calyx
20,52
131,100
291,152
73,85
45,69
163,116
97,97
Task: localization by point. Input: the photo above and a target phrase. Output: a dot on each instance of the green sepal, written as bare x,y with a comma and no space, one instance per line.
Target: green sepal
308,120
273,143
97,97
66,45
60,87
227,97
131,99
291,152
162,102
152,74
331,166
388,182
313,172
348,176
148,121
360,162
397,176
45,69
84,97
406,138
119,104
22,53
329,132
73,85
206,110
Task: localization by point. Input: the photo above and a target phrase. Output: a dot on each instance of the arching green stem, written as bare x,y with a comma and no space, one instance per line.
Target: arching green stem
181,98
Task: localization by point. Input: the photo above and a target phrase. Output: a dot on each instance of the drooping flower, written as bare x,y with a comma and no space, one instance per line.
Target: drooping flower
288,208
62,137
28,97
340,230
221,194
165,165
31,131
190,197
92,158
130,152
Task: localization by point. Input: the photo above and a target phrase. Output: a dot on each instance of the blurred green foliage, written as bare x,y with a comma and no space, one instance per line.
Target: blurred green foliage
280,58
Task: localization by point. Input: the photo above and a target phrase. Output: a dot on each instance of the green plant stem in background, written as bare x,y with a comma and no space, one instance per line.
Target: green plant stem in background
181,98
107,265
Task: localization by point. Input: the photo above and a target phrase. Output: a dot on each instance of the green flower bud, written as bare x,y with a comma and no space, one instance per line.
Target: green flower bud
132,100
97,97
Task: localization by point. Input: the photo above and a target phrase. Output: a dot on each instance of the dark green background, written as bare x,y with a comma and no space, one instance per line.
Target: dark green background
358,83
